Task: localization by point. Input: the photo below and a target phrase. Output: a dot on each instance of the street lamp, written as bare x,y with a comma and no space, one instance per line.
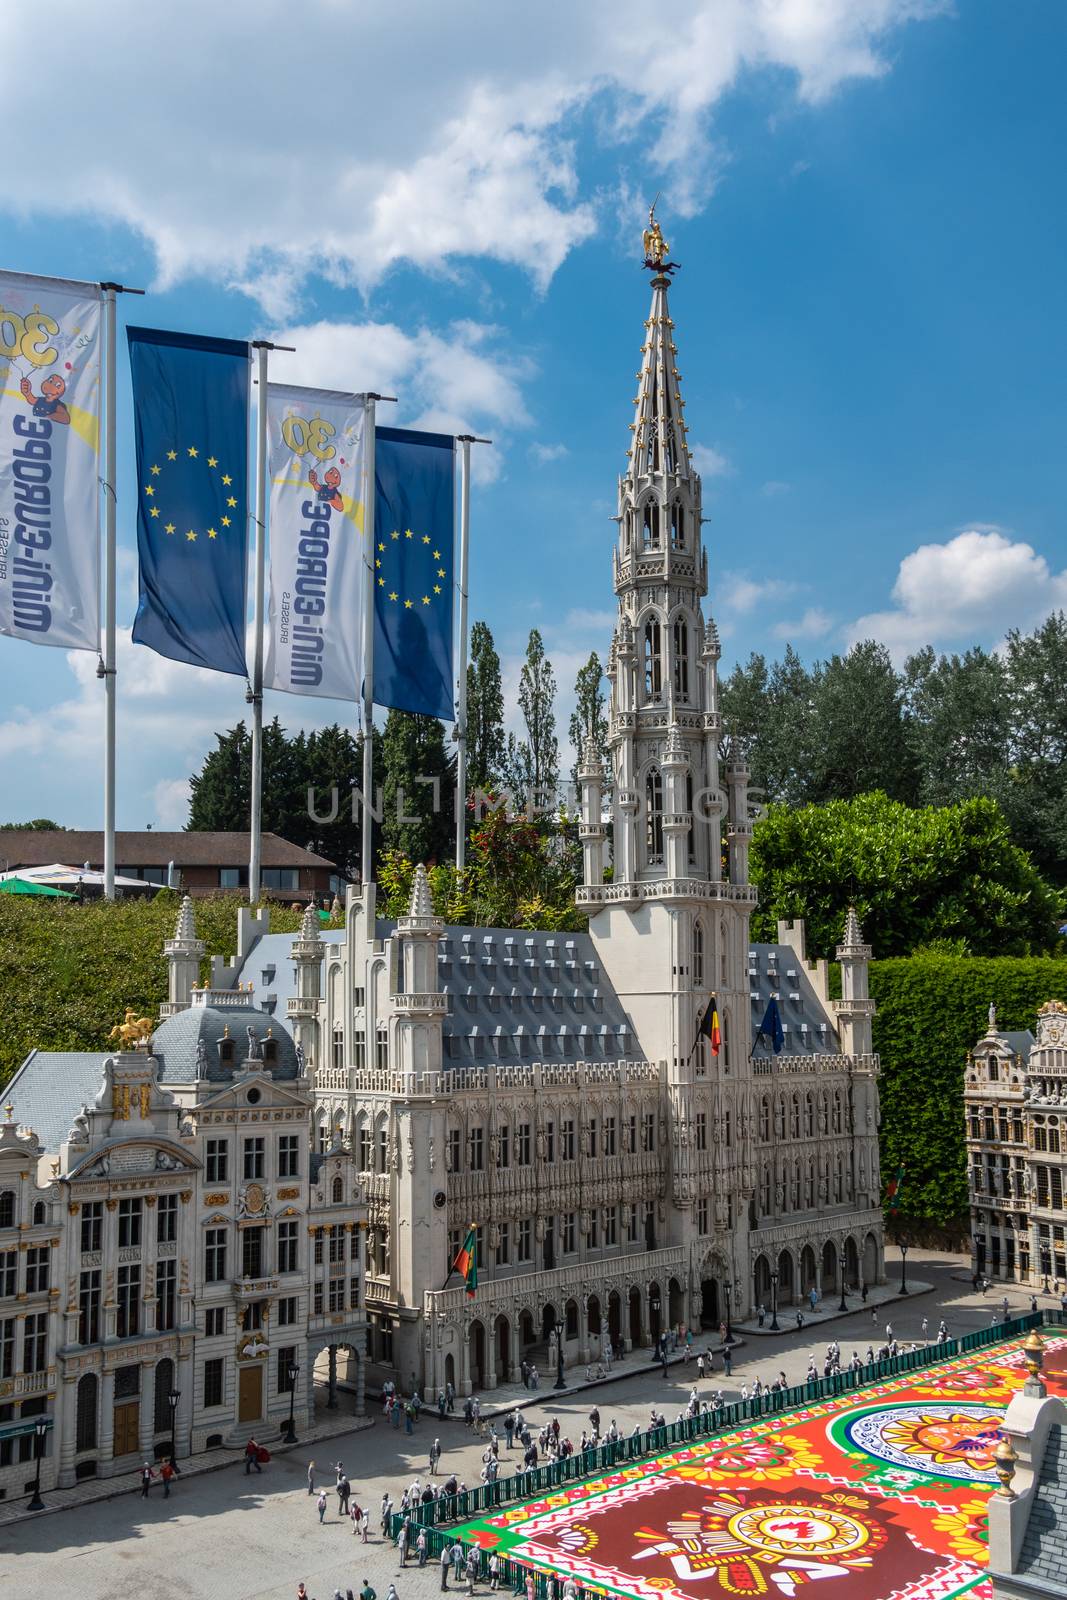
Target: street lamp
40,1428
561,1382
841,1259
903,1267
728,1289
172,1399
774,1303
292,1372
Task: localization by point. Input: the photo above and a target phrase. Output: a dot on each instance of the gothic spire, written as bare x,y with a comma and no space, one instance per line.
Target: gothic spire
659,442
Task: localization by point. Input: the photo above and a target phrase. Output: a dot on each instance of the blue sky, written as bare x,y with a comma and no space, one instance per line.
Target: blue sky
866,196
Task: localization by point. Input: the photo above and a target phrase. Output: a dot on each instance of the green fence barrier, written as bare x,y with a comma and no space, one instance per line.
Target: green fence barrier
708,1423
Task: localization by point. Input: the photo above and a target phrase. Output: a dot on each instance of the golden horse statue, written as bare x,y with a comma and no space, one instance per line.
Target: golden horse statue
133,1032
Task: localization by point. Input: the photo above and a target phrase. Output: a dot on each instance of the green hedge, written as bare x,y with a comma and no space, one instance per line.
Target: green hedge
67,971
931,1010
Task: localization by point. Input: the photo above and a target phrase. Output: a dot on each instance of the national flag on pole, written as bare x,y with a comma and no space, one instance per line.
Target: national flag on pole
414,520
315,444
771,1027
190,401
49,461
708,1026
892,1193
466,1262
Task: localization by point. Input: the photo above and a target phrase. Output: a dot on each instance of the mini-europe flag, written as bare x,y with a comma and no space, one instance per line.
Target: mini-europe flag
466,1262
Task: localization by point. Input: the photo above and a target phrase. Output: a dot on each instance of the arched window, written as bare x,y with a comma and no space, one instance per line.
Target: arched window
338,1191
839,1181
824,1124
654,815
690,836
7,1208
650,526
765,1191
653,659
677,527
85,1425
680,646
383,1146
724,966
698,954
795,1195
670,454
40,1212
779,1118
765,1119
809,1116
794,1117
338,1057
726,1032
164,1383
809,1189
324,1136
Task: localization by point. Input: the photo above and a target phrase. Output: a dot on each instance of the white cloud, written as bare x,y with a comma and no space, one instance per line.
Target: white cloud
970,590
544,453
457,381
736,592
268,144
171,798
774,487
709,461
813,624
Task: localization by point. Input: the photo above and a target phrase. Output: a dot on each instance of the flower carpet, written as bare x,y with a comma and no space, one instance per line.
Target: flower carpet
878,1494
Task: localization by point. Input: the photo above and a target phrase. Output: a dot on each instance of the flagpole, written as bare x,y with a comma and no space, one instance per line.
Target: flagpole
366,867
254,695
106,668
465,440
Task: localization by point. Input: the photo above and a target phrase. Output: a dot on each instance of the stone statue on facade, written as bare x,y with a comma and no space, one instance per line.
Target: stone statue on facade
255,1049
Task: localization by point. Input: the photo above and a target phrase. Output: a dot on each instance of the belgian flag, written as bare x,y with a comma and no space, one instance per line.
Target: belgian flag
708,1027
466,1262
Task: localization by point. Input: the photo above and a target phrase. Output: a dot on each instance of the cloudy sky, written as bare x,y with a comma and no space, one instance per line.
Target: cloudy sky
444,203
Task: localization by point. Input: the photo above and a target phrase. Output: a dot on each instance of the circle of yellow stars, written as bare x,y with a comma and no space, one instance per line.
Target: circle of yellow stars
191,534
437,588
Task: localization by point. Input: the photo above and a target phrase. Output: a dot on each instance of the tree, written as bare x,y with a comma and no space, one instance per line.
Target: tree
533,762
1035,795
918,877
219,792
587,718
859,739
958,717
486,748
419,781
38,825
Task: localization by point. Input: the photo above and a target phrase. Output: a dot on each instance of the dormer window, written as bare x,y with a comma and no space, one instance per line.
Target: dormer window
226,1048
270,1049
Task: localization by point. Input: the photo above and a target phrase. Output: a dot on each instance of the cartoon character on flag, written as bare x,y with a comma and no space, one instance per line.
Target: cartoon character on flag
49,403
329,489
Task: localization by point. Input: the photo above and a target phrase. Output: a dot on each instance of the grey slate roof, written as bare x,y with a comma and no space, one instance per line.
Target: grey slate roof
50,1088
1043,1557
1022,1043
777,969
175,1040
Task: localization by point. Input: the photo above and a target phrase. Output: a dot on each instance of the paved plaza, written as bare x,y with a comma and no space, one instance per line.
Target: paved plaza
222,1534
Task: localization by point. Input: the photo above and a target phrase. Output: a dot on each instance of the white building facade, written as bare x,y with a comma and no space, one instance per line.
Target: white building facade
176,1253
1015,1106
545,1088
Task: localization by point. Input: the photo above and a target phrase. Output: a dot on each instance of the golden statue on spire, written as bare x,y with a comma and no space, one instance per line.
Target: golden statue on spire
655,245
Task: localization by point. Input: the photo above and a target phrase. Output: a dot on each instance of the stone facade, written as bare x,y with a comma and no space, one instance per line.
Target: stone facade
178,1233
1015,1106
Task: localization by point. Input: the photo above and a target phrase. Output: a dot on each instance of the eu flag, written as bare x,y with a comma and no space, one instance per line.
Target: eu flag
190,402
771,1027
414,527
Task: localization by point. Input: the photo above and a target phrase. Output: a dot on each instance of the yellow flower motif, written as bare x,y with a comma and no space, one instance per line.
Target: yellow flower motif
967,1527
772,1460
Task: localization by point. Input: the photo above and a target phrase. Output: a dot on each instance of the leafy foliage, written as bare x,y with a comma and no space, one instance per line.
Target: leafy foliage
67,971
587,718
325,765
419,787
519,874
915,876
931,1010
485,712
946,728
533,762
38,825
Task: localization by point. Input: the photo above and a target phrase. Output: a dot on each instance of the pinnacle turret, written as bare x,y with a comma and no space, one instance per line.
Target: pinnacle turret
659,443
309,927
421,901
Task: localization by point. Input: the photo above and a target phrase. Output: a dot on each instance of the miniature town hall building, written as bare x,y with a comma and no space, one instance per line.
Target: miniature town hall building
545,1087
1015,1104
176,1251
